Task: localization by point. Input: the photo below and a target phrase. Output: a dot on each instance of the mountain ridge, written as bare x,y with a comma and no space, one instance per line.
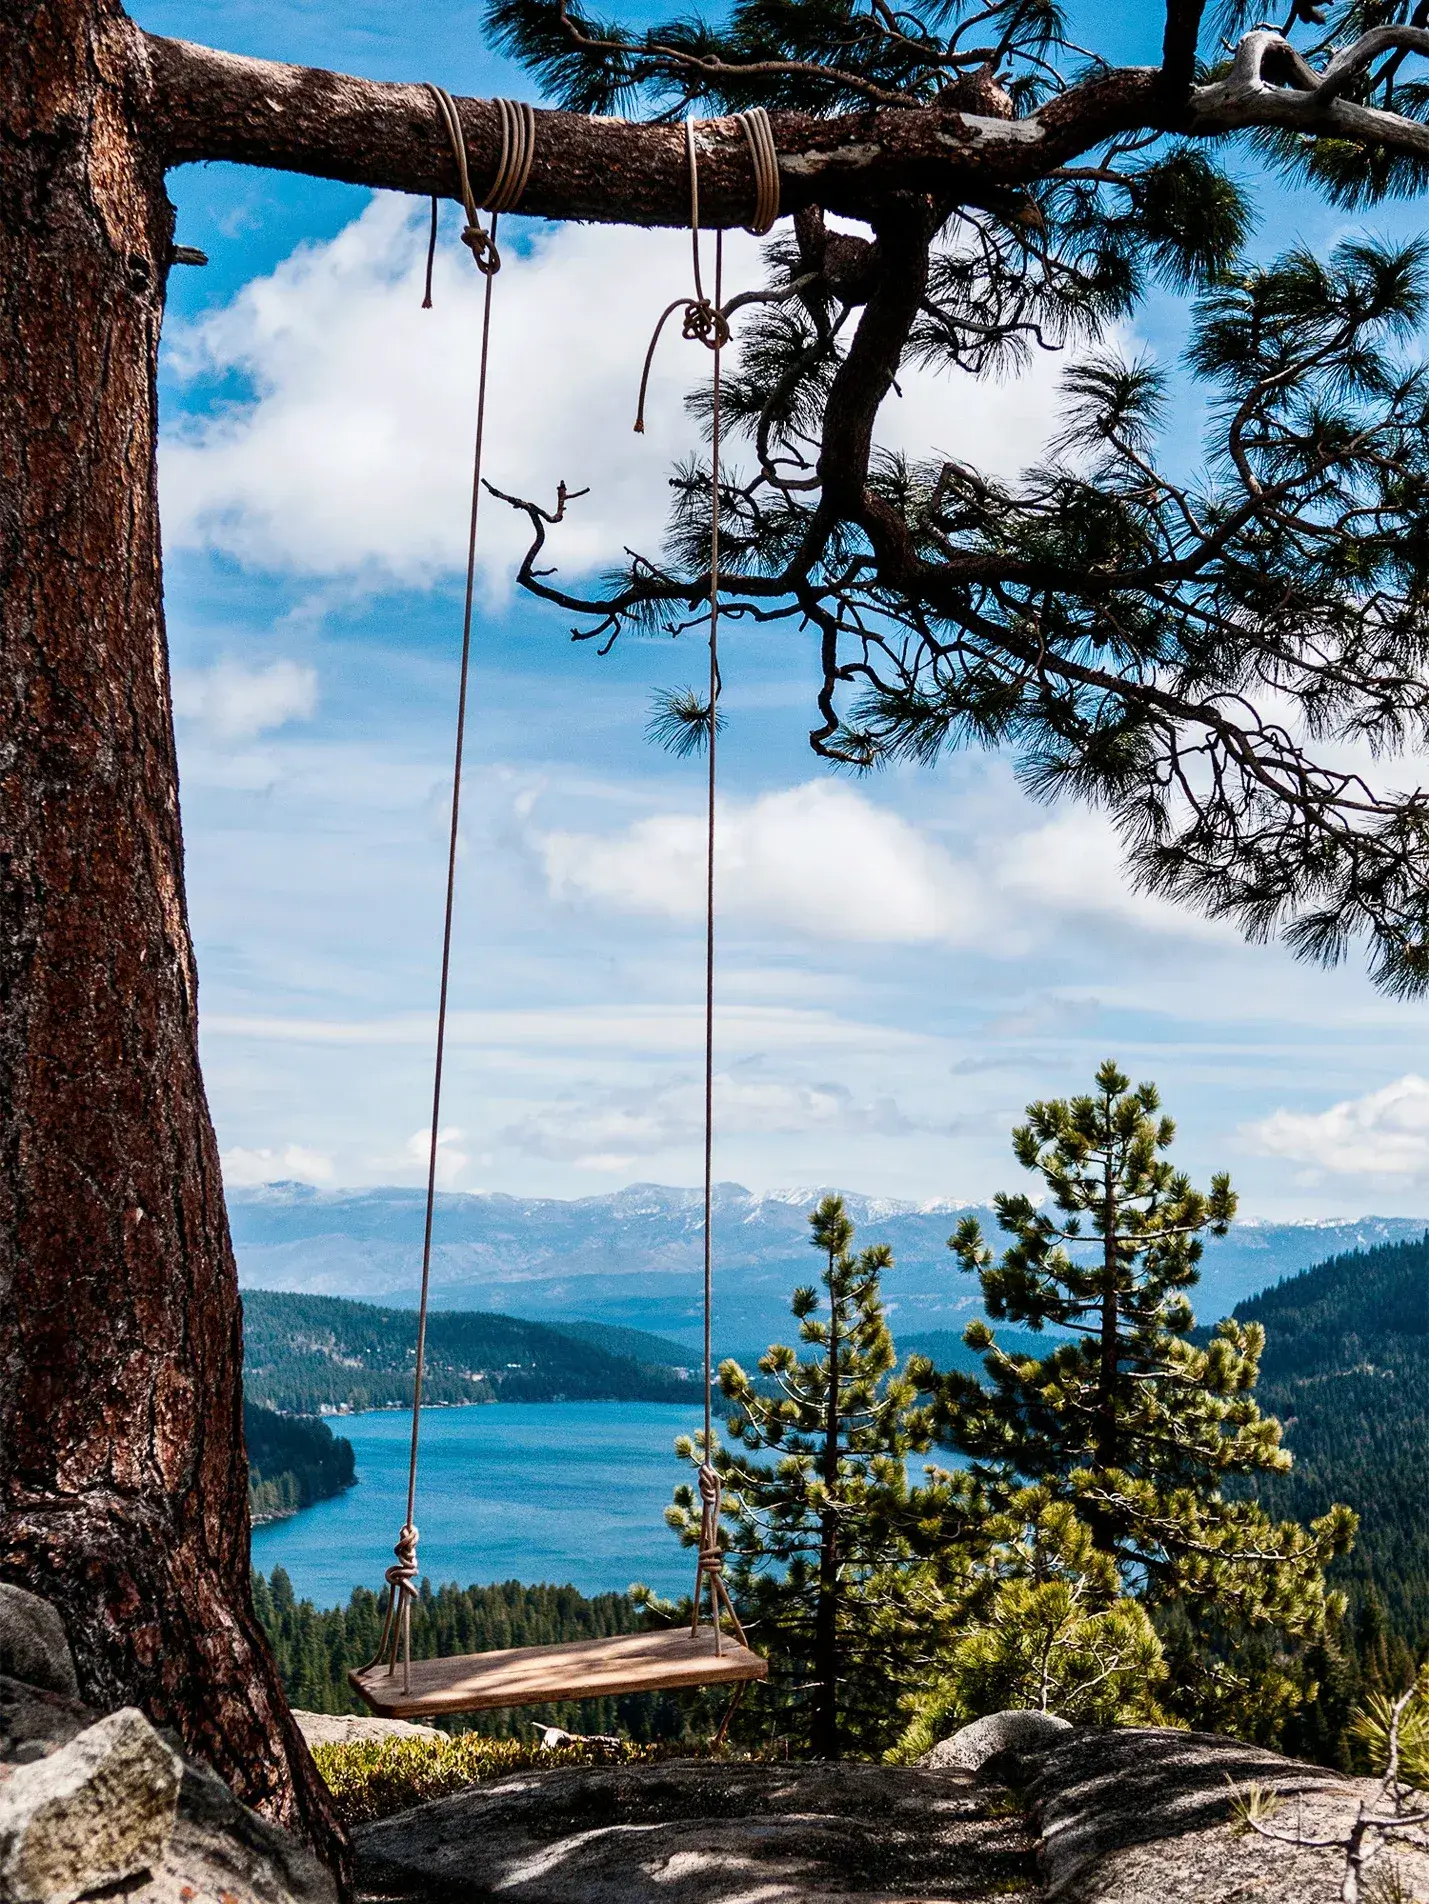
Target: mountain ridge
632,1257
1346,1369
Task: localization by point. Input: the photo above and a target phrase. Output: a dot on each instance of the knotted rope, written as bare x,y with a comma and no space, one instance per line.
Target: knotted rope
518,150
705,322
517,140
397,1627
709,1569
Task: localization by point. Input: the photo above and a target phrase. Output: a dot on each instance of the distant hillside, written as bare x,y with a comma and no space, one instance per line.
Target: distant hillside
306,1354
292,1463
632,1259
1346,1368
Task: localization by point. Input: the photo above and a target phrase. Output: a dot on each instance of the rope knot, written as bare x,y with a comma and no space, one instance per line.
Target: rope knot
400,1576
482,246
704,324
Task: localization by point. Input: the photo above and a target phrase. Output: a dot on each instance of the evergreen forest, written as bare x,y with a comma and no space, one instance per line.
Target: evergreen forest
1097,1507
306,1355
292,1462
1346,1369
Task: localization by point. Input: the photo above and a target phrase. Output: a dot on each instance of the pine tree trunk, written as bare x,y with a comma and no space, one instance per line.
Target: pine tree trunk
123,1476
825,1734
1106,1427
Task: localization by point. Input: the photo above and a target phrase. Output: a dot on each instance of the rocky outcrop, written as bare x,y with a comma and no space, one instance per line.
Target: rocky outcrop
1146,1815
33,1646
705,1832
223,1853
90,1814
350,1728
103,1805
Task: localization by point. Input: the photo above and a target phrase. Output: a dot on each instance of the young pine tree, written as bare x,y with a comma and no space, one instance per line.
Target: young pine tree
1132,1423
819,1530
1043,1625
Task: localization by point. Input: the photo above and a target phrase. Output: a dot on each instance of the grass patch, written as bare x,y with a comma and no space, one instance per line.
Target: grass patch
372,1778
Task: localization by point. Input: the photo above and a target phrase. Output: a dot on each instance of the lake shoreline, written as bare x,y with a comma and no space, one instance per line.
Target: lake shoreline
569,1492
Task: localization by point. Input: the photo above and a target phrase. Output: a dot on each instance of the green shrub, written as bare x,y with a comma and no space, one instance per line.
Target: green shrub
372,1778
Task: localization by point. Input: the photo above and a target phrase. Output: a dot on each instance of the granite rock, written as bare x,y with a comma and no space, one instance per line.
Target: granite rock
33,1646
1022,1733
89,1814
704,1832
1146,1815
349,1728
222,1853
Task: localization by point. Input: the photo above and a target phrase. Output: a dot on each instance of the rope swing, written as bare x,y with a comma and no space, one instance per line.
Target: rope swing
639,1661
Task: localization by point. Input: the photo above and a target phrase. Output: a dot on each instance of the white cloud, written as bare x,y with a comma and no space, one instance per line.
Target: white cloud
295,1164
354,453
1074,864
818,859
828,862
608,1130
451,1162
1385,1133
627,1030
234,703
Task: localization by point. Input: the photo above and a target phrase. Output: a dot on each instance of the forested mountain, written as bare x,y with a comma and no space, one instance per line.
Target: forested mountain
632,1258
304,1354
1346,1368
292,1463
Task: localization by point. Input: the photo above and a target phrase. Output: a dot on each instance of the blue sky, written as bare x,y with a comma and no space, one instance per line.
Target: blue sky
905,960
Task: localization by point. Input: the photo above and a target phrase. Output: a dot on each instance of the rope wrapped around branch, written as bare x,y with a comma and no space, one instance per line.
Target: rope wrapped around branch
705,323
518,151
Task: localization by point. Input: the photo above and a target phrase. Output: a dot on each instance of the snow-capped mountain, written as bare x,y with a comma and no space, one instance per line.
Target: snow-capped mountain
634,1256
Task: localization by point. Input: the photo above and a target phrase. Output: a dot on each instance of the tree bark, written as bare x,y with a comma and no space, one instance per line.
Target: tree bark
123,1474
210,105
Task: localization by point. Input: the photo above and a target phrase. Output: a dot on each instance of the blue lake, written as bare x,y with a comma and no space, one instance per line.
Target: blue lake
559,1491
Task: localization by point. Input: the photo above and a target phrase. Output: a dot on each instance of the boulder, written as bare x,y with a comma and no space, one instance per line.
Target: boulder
33,1646
217,1848
221,1850
704,1832
91,1813
1022,1733
34,1723
347,1728
1146,1815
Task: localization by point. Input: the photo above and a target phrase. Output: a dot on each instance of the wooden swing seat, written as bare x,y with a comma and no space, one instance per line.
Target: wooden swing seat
533,1675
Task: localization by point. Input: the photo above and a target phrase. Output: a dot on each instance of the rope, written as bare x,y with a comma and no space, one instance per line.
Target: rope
518,150
515,167
764,157
711,1561
705,322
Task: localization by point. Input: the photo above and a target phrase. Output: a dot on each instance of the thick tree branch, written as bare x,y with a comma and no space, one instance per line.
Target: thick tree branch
210,105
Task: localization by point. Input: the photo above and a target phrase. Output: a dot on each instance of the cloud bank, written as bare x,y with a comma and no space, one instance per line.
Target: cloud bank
351,453
1385,1133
